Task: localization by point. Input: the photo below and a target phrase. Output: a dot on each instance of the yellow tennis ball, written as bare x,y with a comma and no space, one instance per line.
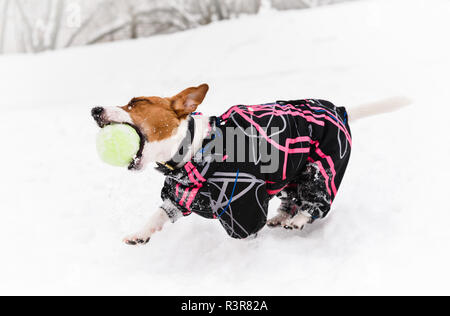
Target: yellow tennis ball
118,144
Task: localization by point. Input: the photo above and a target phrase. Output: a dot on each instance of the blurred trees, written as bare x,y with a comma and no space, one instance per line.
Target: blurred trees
301,4
3,19
143,18
41,32
35,26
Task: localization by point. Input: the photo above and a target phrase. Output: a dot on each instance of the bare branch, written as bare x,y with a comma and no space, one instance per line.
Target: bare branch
107,33
56,26
173,12
28,32
3,25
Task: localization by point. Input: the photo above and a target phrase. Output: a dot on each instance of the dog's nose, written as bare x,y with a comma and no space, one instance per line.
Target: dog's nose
97,111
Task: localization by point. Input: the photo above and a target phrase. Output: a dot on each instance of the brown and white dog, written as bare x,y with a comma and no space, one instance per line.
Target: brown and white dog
162,124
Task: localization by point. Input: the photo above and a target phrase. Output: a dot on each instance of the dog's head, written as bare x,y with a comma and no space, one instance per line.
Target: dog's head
156,119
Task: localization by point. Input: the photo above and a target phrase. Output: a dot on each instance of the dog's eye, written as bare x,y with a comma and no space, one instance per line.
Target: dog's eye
134,102
131,105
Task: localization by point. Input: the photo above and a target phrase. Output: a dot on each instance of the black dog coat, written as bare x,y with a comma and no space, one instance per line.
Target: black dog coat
313,144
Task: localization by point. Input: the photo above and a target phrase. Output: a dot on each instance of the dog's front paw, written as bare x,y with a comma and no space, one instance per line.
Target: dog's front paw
137,239
153,226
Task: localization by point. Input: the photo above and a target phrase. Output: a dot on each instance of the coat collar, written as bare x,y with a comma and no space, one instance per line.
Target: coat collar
173,164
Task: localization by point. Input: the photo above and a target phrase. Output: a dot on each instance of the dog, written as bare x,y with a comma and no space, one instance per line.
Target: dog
295,150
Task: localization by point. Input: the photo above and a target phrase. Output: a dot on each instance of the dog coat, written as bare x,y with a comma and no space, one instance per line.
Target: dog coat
311,140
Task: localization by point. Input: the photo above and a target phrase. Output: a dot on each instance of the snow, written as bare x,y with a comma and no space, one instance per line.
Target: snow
64,212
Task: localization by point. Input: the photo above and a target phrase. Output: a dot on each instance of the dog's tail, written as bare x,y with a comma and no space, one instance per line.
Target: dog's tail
378,108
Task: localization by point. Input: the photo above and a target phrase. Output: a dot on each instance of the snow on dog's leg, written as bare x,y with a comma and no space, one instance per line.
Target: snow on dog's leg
155,224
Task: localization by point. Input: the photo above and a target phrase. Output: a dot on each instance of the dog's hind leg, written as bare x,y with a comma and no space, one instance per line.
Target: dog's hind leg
297,222
280,220
285,212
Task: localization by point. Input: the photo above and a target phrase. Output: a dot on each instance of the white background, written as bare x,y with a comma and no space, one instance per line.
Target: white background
64,213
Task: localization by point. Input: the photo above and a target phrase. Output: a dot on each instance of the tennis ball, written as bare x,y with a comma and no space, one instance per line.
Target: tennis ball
118,144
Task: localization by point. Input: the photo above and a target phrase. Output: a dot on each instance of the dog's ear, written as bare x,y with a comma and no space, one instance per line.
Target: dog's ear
188,100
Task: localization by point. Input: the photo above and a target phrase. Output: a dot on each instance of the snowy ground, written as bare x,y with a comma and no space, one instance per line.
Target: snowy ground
63,212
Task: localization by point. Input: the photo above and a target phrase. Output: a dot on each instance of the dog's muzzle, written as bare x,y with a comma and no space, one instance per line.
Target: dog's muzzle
98,115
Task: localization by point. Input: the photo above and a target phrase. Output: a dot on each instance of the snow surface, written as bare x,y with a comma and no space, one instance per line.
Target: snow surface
64,213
